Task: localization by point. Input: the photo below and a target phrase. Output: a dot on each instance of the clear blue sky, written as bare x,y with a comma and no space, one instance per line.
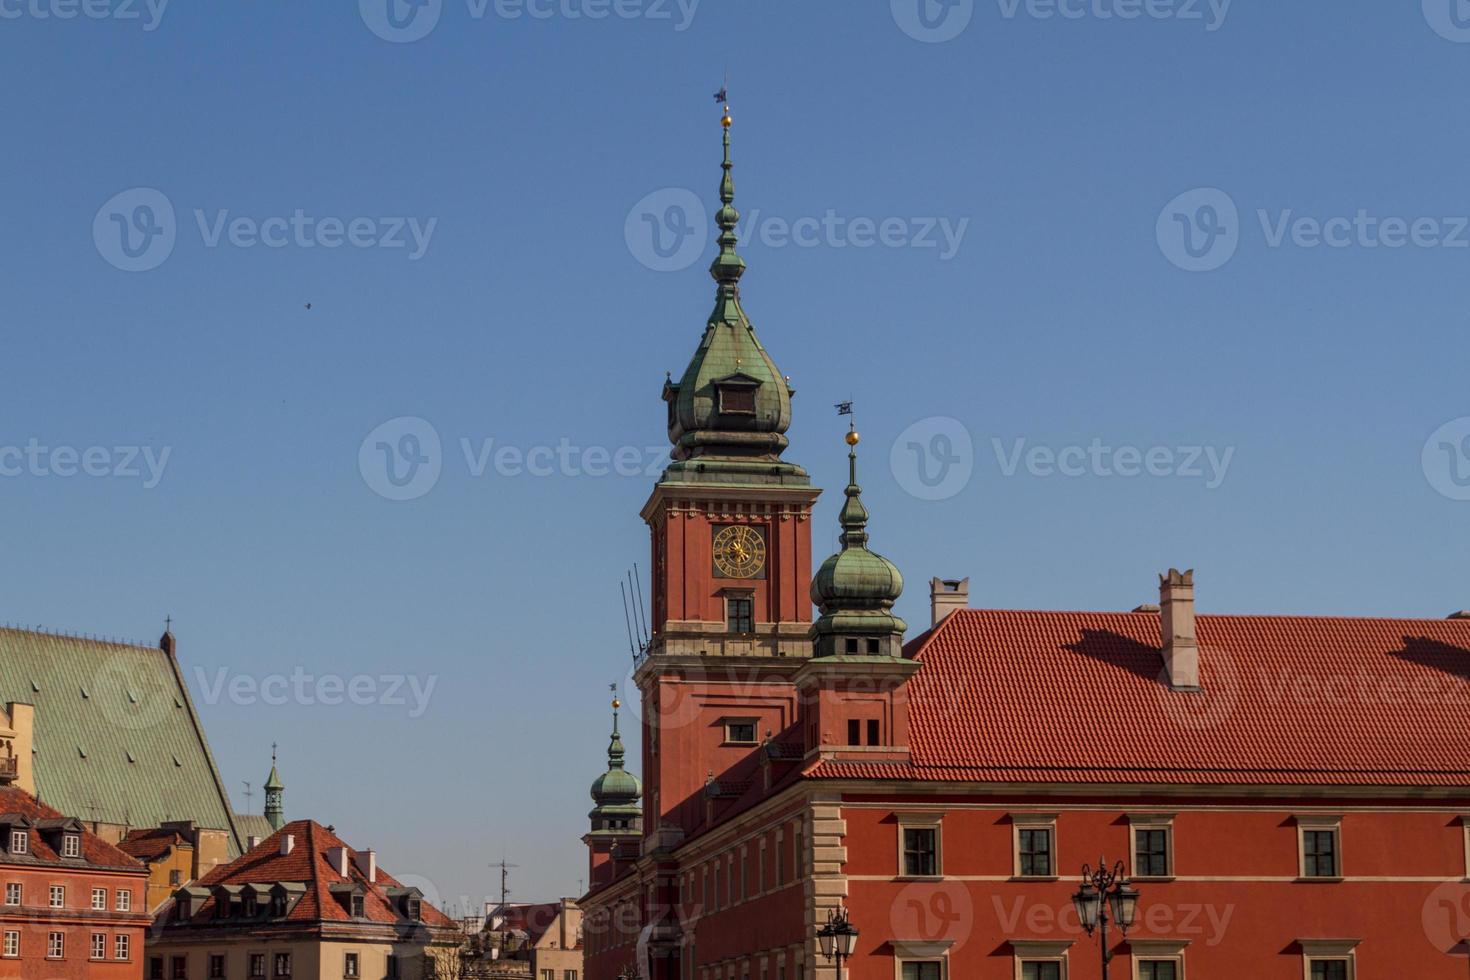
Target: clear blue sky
1059,319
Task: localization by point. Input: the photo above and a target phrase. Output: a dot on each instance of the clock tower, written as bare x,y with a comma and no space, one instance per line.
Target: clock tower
730,523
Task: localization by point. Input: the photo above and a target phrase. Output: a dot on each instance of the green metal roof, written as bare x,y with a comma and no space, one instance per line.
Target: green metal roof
117,739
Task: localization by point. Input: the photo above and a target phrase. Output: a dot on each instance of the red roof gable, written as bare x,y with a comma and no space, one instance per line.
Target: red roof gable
95,850
307,863
146,845
1013,696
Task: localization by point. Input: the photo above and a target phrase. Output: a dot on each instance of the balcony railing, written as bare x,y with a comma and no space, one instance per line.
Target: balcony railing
9,768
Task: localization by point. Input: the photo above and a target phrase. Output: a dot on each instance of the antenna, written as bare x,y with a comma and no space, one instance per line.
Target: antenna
628,622
638,581
504,867
248,795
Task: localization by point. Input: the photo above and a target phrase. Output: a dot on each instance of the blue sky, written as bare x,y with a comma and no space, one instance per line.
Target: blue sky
1058,331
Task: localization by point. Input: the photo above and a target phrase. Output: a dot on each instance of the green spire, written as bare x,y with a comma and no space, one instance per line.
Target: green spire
856,588
616,792
275,808
729,413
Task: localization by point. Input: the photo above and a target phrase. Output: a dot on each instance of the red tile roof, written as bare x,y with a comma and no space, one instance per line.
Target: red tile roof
1012,696
95,850
307,863
150,844
533,920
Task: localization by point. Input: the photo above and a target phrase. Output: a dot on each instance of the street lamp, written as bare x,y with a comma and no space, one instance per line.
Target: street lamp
838,938
1105,896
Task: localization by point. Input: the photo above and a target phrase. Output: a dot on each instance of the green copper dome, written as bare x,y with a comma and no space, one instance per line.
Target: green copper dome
729,412
617,791
856,588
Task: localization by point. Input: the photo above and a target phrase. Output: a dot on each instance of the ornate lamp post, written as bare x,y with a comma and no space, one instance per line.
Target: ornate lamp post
838,937
1105,896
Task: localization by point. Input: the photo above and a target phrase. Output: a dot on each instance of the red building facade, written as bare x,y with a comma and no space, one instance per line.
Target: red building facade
73,906
1290,796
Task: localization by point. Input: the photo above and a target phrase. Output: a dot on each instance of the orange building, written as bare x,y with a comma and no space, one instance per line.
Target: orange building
73,903
1289,796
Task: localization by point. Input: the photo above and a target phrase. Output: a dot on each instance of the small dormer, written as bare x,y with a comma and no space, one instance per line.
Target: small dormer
253,898
227,900
15,833
188,902
735,395
352,896
409,903
283,897
63,835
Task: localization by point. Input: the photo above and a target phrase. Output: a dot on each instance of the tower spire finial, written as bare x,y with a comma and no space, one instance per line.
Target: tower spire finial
728,266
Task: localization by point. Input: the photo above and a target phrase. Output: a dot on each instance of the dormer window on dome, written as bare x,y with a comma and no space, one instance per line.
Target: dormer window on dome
736,394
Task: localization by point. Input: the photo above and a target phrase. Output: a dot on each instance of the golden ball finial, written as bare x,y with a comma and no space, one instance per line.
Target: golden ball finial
853,438
726,121
617,703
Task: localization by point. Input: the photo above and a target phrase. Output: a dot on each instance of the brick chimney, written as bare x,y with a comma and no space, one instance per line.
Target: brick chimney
337,858
288,843
945,596
1176,617
367,863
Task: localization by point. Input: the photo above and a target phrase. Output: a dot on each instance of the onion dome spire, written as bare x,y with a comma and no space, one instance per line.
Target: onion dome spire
275,790
729,412
856,588
616,792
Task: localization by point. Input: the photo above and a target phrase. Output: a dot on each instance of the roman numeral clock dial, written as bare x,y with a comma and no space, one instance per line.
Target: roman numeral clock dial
739,552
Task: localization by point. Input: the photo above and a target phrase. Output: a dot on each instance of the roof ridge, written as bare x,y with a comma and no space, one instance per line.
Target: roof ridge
1318,617
89,638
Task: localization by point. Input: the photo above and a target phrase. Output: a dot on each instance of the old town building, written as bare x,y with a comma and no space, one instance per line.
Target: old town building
301,905
1290,795
73,903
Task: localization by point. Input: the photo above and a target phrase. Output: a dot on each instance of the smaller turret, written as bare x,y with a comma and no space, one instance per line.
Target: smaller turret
616,792
275,805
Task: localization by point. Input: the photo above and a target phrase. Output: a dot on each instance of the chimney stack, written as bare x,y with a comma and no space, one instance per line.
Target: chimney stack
252,842
288,843
367,863
945,596
1176,617
337,858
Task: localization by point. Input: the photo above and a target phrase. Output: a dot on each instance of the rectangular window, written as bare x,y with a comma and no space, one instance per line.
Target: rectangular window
122,946
155,968
71,845
780,860
1035,854
257,964
282,964
12,943
357,907
12,893
760,871
922,971
216,966
179,968
873,728
740,611
1040,970
20,842
548,975
1319,853
55,946
58,896
854,732
124,900
99,945
392,970
920,851
1158,970
737,401
1329,970
1151,853
740,731
569,975
349,966
99,899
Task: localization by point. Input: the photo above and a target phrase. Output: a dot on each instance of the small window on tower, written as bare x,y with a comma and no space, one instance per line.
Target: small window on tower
854,732
740,731
851,646
737,401
872,732
740,611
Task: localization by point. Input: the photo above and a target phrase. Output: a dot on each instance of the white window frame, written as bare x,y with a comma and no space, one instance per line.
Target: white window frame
122,947
1040,951
1150,821
1314,950
124,900
99,946
56,946
71,845
53,894
921,820
20,842
918,951
14,888
99,899
1156,950
1318,822
1034,821
11,949
732,721
351,957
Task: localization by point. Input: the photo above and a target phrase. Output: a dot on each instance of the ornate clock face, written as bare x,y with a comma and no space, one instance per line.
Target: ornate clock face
740,552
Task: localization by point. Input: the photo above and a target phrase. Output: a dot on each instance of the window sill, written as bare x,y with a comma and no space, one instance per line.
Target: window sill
1319,879
1152,878
919,878
1036,877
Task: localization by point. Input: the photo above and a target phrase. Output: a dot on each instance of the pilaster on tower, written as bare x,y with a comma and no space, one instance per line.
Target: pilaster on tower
730,519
